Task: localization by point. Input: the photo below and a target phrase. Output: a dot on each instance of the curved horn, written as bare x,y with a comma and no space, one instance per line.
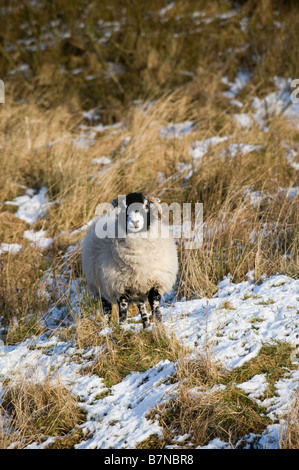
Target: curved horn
156,201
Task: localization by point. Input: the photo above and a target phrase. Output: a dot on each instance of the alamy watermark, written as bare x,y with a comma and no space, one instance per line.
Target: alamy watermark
180,221
3,348
2,92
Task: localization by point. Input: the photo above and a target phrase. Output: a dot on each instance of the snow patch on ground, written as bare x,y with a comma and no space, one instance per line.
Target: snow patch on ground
199,148
291,155
257,314
243,119
32,205
234,324
275,103
119,420
178,130
38,238
241,80
239,149
256,386
10,248
101,161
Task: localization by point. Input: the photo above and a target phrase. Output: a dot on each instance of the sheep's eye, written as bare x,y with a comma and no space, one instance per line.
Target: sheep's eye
136,211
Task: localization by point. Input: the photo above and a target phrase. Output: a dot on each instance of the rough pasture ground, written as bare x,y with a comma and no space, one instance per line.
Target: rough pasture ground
85,81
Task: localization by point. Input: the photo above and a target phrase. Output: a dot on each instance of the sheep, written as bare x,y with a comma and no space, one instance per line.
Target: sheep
135,266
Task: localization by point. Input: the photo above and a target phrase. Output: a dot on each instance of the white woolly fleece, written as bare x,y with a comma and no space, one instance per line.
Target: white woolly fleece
135,264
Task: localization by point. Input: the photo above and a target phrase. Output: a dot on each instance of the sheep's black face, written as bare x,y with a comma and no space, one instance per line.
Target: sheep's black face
137,213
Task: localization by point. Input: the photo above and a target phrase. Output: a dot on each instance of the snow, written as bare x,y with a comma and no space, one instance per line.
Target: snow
85,139
255,197
291,154
101,128
275,103
177,130
233,325
229,332
49,441
285,389
241,80
268,440
243,119
199,148
91,115
117,420
256,386
118,417
271,437
282,101
10,248
290,193
32,205
38,238
215,444
239,149
101,161
88,134
166,9
36,366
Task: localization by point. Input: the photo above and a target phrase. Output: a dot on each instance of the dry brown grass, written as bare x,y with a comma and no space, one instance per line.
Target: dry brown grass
20,299
127,351
87,333
208,404
290,437
225,414
34,411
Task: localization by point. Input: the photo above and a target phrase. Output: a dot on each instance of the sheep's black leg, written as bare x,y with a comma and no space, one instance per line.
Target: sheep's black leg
123,306
107,309
143,313
154,299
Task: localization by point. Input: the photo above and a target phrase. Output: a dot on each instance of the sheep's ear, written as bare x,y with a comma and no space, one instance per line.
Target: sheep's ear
120,199
156,201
